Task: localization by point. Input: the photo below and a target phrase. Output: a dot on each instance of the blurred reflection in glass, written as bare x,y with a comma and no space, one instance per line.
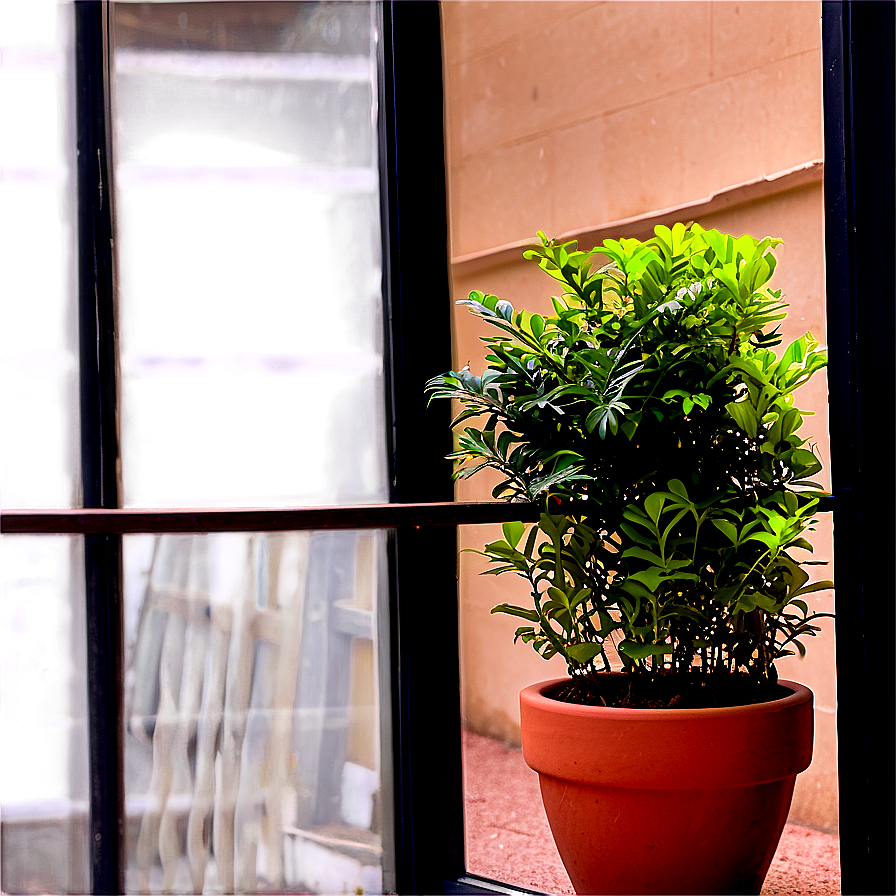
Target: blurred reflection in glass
43,750
253,739
252,374
250,254
36,462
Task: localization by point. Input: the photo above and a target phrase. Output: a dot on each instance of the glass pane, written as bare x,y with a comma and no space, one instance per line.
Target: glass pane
669,131
37,366
253,741
43,751
43,716
249,248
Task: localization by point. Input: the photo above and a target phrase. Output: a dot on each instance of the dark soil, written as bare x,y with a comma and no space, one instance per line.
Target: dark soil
679,690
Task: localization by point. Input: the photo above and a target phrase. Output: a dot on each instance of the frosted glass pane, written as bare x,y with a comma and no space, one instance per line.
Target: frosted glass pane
43,748
249,255
43,751
38,307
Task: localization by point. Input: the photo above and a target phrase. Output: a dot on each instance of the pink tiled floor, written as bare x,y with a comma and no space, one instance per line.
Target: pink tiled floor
508,838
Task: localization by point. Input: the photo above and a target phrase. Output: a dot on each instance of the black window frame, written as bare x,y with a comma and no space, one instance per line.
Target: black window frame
858,57
860,161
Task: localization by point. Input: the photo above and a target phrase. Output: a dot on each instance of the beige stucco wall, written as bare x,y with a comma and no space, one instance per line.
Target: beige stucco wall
589,120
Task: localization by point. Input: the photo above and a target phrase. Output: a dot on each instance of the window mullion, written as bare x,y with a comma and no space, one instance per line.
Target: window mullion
859,247
99,448
425,683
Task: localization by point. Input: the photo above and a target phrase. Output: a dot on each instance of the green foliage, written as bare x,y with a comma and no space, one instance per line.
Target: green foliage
652,404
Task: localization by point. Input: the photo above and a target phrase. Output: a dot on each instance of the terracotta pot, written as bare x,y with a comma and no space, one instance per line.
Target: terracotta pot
667,800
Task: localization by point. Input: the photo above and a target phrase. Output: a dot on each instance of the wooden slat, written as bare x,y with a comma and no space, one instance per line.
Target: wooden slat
162,745
199,825
352,620
236,705
295,564
173,826
199,608
189,709
247,821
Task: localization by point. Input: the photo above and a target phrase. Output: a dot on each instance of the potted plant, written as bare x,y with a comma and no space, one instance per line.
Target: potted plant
654,423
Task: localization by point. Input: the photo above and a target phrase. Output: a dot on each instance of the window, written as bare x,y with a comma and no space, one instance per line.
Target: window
94,512
243,177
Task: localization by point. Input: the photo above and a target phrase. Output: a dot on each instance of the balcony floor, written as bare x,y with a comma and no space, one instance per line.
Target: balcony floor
508,838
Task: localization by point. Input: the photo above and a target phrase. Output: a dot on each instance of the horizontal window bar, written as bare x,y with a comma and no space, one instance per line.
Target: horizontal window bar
354,516
357,516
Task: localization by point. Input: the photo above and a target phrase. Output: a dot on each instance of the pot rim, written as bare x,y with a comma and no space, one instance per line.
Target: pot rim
677,749
534,695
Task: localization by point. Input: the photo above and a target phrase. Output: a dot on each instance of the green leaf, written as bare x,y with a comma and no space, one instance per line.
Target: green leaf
744,415
636,536
765,538
638,590
643,554
651,578
522,612
513,532
559,596
729,530
824,585
584,653
653,504
641,651
749,602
